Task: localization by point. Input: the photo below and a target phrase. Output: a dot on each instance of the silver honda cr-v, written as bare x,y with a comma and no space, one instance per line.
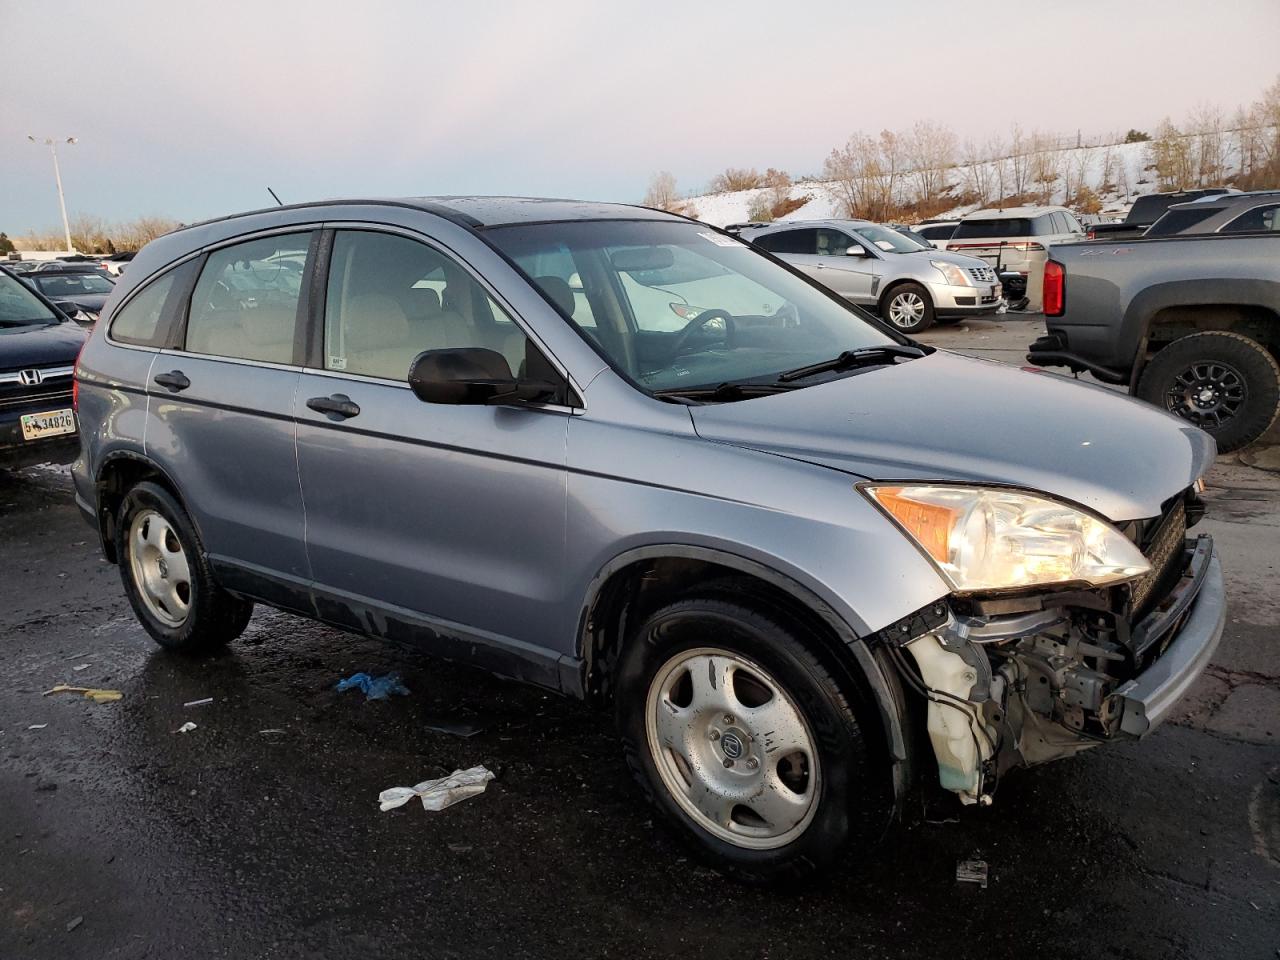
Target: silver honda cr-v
627,457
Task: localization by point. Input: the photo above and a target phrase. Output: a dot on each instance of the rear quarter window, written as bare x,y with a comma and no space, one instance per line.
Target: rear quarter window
139,321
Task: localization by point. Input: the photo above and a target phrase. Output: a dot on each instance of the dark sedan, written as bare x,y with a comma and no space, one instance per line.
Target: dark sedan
38,350
79,295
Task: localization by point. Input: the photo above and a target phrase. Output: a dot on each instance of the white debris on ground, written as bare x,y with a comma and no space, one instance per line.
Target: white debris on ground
438,794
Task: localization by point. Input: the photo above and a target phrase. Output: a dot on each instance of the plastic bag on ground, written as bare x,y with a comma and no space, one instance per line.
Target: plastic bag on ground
438,794
375,688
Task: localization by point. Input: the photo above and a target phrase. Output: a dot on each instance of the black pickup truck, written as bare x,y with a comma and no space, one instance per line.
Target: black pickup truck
1146,211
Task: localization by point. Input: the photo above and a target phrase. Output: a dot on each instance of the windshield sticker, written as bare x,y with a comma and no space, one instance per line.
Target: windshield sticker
719,239
884,245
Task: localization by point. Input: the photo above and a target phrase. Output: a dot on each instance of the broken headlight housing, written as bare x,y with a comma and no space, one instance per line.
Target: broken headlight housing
986,538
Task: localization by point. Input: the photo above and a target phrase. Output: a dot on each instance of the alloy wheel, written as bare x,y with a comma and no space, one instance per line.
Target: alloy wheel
732,749
1208,393
906,309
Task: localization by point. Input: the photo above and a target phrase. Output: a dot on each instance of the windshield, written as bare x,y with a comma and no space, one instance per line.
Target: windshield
679,306
886,240
72,284
19,307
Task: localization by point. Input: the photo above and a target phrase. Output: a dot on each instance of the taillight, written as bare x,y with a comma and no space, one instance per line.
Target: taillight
75,379
1054,288
1091,235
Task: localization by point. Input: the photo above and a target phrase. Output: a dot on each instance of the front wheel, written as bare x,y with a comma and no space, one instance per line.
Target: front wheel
743,739
908,307
1224,383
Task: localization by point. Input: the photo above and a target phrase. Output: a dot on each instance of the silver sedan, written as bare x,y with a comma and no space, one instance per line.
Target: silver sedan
908,284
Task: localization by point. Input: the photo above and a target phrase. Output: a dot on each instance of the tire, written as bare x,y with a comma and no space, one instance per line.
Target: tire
768,815
1223,382
159,552
912,303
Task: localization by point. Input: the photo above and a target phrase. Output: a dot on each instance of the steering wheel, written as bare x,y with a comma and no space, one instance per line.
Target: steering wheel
697,323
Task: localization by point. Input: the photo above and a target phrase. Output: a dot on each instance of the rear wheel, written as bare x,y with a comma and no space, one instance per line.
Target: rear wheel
1222,382
743,740
167,577
908,307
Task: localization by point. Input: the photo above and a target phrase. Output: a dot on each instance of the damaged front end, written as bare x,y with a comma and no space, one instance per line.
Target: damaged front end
1017,680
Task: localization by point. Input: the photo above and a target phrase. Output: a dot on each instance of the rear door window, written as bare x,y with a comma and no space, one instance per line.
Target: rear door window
245,304
797,242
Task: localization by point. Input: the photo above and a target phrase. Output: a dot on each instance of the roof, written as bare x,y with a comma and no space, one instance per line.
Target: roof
480,212
1009,213
775,224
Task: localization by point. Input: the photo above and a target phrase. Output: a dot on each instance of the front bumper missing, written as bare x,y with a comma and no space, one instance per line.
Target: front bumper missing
1148,698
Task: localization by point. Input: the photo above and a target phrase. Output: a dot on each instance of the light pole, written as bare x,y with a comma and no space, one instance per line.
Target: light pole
57,175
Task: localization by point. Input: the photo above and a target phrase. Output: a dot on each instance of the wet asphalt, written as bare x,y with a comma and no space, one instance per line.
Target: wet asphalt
258,834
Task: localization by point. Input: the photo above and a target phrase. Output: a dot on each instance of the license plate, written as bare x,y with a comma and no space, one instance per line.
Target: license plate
37,426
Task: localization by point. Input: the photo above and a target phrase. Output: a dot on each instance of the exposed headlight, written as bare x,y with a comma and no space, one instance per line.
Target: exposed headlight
955,276
686,312
990,539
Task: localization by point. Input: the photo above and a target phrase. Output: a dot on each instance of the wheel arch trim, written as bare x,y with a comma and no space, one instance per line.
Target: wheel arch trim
881,684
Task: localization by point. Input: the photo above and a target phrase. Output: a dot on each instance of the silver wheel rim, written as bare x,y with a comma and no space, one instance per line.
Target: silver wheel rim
160,569
906,309
732,749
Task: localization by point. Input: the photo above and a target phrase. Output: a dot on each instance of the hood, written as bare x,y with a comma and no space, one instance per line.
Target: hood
947,417
51,345
92,302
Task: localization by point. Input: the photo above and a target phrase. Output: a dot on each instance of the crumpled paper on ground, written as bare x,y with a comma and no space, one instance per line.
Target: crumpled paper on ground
438,794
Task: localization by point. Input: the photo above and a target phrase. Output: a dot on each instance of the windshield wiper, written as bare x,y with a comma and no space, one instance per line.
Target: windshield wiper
719,394
864,357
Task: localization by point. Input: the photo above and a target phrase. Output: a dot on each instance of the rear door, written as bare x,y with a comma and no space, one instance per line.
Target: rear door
798,247
437,523
221,404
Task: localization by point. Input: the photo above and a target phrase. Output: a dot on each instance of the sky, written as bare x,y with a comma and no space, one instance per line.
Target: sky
191,110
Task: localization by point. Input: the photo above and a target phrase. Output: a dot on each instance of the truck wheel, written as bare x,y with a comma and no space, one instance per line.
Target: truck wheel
908,307
168,579
1224,383
742,739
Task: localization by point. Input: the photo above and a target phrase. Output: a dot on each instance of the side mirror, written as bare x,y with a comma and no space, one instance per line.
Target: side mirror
472,376
855,250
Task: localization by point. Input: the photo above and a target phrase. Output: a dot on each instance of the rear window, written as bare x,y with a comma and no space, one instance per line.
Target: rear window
1002,229
940,232
1175,221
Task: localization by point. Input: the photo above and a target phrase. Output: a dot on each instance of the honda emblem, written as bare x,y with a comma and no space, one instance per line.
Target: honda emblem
30,378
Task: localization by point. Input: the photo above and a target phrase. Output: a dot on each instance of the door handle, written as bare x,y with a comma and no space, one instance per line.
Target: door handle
173,381
336,407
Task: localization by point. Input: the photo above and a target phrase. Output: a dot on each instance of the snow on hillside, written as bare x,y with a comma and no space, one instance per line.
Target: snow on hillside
1086,164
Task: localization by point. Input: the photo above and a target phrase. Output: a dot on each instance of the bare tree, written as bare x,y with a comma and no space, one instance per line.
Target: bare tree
1170,154
978,165
734,179
1209,146
1019,161
931,153
662,192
